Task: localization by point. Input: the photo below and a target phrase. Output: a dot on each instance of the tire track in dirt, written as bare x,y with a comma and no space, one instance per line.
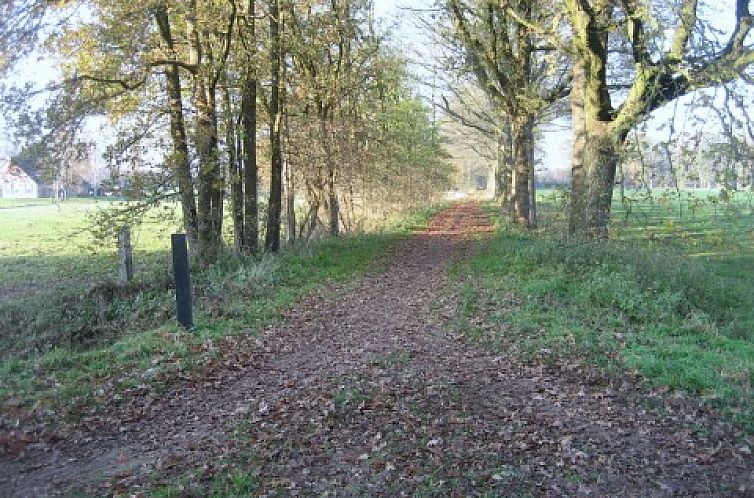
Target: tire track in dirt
364,390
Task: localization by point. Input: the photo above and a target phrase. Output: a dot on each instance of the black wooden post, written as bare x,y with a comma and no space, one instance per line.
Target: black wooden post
182,280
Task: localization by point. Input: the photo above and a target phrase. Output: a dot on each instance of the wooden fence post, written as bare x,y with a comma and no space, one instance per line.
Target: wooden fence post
125,255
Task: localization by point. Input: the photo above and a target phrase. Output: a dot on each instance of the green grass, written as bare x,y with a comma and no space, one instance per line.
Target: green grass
239,477
44,242
15,203
236,482
68,349
693,221
681,314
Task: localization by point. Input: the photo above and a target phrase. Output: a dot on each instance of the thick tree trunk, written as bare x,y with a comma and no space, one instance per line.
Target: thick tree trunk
179,160
509,159
598,133
596,150
503,174
578,219
600,161
508,180
272,237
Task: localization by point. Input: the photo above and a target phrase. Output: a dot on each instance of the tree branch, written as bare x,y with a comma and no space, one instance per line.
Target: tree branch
109,81
687,19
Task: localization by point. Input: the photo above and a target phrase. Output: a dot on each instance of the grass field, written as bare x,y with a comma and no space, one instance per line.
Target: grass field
669,297
65,347
43,242
695,221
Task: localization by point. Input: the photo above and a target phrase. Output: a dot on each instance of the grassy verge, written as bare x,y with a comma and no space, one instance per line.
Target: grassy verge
680,322
67,350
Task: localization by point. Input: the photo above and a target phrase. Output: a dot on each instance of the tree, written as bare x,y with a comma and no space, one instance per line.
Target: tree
112,63
470,130
180,82
738,129
179,160
510,62
333,62
274,206
250,83
665,64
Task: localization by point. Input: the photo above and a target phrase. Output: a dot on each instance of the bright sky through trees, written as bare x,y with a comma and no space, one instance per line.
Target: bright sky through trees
400,17
555,143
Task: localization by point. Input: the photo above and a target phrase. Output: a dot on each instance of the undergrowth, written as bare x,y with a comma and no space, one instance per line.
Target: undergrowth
678,322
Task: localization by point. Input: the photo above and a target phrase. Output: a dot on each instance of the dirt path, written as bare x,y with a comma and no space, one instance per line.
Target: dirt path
366,391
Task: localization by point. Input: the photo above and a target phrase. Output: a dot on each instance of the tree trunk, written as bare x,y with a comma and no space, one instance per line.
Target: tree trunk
578,219
600,162
249,124
235,172
532,174
503,168
330,193
209,219
251,205
219,173
521,166
272,237
596,150
290,205
309,225
290,187
333,203
179,160
209,172
509,171
499,179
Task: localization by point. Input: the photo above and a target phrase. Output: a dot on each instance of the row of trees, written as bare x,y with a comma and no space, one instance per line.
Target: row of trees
617,61
339,124
218,94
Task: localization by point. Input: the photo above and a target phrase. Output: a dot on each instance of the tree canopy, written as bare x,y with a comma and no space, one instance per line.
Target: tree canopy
191,83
